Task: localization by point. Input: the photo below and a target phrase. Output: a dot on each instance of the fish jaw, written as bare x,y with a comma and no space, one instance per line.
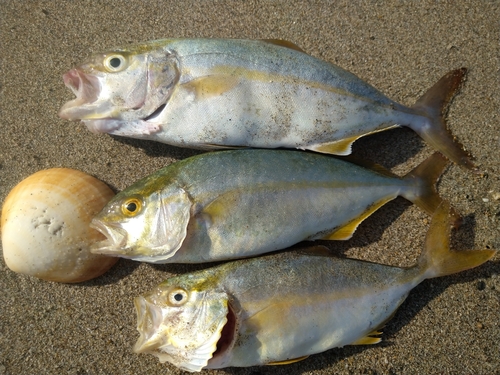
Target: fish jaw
149,319
108,99
86,88
135,129
116,239
117,243
165,335
154,234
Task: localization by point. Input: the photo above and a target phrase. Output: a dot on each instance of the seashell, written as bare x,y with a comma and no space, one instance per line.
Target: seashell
45,226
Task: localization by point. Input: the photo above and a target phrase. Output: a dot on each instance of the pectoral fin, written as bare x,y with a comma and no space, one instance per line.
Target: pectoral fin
288,361
223,206
212,85
346,232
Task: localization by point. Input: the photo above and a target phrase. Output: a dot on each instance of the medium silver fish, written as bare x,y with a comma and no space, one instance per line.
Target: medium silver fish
280,308
220,93
240,203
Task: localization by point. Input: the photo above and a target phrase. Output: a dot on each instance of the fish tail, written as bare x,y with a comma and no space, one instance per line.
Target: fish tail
434,104
423,179
437,260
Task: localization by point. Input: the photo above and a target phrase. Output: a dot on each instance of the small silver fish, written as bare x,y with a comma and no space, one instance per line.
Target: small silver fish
280,308
220,93
240,203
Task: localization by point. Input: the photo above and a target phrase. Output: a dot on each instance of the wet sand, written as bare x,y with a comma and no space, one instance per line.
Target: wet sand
446,326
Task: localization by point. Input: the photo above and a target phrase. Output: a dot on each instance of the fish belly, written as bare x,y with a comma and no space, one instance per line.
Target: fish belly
288,313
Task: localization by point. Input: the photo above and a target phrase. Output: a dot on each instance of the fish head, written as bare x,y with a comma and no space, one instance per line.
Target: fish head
142,223
125,84
184,321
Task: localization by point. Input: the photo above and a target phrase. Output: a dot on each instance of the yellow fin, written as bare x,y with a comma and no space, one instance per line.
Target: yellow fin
222,207
437,260
288,361
343,146
283,43
368,340
209,86
345,232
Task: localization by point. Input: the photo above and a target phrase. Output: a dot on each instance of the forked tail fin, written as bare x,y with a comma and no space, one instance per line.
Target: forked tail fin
434,104
437,260
424,177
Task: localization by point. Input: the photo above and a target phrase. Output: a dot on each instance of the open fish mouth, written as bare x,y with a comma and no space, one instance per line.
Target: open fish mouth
154,339
116,238
149,320
86,89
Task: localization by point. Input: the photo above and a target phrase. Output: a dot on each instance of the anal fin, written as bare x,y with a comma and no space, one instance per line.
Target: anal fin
344,146
288,361
213,146
346,232
369,339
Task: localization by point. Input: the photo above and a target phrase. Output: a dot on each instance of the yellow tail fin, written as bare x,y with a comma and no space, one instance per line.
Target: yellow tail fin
426,197
437,259
434,104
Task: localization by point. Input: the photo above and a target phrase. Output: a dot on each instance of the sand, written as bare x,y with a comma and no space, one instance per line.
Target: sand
446,326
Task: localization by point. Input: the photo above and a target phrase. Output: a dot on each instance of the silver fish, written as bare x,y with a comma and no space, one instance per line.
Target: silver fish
220,93
280,308
240,203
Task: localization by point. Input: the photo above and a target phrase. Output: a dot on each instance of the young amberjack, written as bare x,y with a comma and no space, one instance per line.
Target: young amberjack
240,203
280,308
220,93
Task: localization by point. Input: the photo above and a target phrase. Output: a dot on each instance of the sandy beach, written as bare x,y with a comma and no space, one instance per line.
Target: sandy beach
449,325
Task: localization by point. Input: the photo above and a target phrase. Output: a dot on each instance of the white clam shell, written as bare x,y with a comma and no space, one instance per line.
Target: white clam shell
45,226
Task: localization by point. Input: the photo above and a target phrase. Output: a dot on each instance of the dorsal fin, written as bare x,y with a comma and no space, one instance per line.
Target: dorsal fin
284,43
370,165
317,250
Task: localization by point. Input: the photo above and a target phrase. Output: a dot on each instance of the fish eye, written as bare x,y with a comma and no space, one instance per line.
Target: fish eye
115,63
131,206
177,297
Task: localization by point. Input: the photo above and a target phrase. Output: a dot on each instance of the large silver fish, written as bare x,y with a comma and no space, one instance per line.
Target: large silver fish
219,93
240,203
280,308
